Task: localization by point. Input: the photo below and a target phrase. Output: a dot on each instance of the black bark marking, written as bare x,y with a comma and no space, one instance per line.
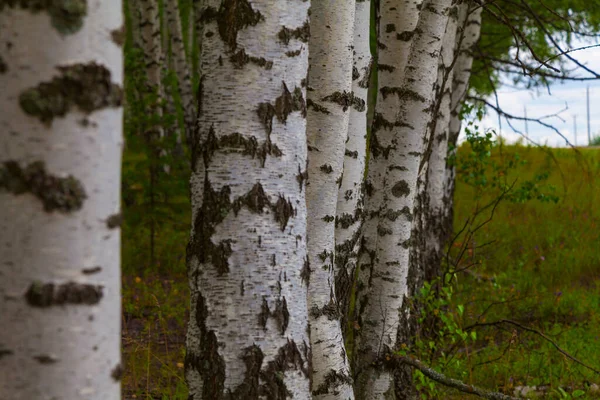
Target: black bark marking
49,294
62,194
114,221
377,149
346,99
236,142
220,256
3,66
393,215
400,189
317,107
288,358
117,372
255,200
118,36
328,169
280,314
328,218
364,82
240,59
87,86
330,310
92,270
5,353
249,389
301,177
66,16
266,112
390,28
263,315
283,211
288,103
406,35
46,359
294,53
206,359
302,34
352,154
402,93
232,17
355,73
305,272
332,380
215,208
387,68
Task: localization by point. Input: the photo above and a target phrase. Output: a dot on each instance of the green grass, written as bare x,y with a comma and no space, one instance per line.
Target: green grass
541,270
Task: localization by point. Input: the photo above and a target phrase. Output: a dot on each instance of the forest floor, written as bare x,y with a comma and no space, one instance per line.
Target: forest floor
530,286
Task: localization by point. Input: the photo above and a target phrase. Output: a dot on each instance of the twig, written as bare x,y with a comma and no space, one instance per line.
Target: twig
539,333
446,381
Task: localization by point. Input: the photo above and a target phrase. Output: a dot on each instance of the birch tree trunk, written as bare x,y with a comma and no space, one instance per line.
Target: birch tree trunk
248,330
154,56
180,65
399,149
429,204
60,161
460,86
329,101
349,212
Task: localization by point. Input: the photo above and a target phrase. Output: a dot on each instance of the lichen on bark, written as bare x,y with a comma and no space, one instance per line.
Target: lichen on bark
62,194
87,86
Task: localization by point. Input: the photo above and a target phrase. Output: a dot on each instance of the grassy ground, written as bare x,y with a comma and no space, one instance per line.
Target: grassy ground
540,270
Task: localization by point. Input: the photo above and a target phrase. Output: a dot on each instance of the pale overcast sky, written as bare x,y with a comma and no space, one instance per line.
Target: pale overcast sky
569,95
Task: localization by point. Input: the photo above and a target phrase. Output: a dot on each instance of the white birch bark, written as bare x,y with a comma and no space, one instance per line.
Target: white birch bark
396,27
154,56
180,65
402,148
349,212
329,101
248,330
460,86
428,219
60,164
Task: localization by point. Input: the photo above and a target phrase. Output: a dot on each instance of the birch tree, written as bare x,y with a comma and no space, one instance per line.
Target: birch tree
247,261
60,158
427,243
329,101
181,66
398,148
460,86
349,212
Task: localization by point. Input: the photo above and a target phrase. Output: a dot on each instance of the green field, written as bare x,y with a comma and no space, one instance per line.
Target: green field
530,285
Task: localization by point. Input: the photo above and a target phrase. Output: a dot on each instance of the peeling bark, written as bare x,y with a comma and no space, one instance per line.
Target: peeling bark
60,305
248,330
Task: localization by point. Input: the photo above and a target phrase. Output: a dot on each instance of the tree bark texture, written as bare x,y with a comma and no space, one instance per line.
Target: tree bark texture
181,66
60,167
154,55
247,260
460,86
329,101
350,198
397,145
